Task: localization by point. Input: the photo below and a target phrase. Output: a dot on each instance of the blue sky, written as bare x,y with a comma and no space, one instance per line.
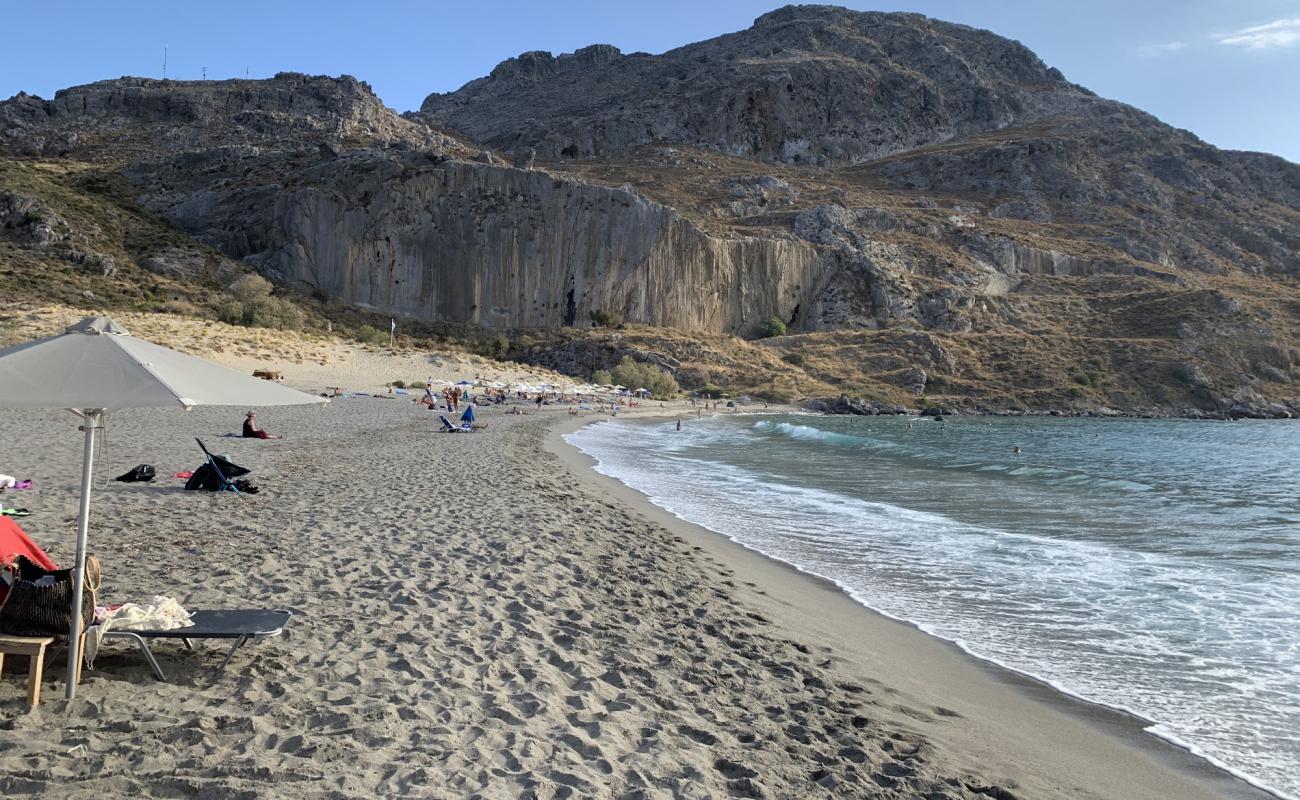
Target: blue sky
1228,70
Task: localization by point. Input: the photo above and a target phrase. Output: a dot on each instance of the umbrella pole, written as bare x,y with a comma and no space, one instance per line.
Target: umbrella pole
91,421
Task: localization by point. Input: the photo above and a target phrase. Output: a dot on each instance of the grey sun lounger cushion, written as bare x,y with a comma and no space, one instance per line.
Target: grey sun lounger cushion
238,624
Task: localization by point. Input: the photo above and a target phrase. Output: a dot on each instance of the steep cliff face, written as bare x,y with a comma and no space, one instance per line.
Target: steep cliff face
445,239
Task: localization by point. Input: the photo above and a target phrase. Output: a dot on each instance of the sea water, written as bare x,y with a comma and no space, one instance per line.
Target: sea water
1148,565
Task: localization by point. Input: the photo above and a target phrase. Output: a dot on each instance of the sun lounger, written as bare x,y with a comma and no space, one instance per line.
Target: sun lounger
237,624
448,427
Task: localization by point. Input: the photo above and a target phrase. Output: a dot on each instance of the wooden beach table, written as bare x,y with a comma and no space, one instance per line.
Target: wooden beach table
239,625
34,648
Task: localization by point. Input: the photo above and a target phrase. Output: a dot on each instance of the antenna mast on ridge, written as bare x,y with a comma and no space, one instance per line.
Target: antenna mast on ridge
164,62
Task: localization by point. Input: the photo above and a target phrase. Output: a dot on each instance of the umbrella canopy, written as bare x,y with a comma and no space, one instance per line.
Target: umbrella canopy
96,366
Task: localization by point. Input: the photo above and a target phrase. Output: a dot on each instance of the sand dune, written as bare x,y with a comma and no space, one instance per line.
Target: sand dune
304,359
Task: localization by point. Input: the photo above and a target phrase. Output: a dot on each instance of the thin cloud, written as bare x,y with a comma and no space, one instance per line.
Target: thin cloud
1278,33
1166,49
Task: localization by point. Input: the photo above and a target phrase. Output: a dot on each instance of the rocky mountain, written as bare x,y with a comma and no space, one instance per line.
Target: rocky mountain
928,207
142,118
805,85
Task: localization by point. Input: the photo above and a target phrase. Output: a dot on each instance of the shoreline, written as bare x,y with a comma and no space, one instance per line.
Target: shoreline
1121,756
487,616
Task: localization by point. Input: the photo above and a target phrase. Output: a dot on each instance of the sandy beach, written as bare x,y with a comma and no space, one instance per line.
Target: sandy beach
483,616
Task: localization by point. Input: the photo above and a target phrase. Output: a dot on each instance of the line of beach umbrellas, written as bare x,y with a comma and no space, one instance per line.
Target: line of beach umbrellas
549,388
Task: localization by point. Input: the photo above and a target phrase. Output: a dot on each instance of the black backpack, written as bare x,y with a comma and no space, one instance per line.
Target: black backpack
140,473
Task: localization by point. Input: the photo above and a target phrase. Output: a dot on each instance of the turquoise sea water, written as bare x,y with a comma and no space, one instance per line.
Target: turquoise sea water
1149,565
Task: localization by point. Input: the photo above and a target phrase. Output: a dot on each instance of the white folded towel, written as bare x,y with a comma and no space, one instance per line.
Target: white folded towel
159,614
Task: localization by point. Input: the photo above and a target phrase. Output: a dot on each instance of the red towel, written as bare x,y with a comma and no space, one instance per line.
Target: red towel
13,542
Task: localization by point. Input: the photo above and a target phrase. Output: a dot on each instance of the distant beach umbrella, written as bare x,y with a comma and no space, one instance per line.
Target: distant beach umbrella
95,367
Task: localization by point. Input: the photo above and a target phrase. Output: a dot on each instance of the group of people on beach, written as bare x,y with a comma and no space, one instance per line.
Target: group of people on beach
452,397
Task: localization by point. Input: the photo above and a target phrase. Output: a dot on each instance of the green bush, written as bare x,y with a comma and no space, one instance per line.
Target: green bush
772,326
398,384
793,358
252,305
635,375
369,334
710,391
607,319
496,347
601,377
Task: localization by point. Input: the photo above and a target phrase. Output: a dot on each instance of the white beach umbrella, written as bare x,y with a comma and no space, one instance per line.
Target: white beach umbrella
95,367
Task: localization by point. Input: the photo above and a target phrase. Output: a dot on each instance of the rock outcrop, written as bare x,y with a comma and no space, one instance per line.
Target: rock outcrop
805,84
145,119
927,106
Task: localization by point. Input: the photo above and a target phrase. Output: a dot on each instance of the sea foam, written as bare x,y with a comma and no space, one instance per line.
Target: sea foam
1089,565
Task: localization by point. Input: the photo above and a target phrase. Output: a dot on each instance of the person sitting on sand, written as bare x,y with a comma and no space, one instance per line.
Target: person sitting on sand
251,431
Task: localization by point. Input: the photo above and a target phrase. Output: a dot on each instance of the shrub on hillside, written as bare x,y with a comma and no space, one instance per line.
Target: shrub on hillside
794,359
635,375
772,326
369,334
251,304
496,347
601,377
607,319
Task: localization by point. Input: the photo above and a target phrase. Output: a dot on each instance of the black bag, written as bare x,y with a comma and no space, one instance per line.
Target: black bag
32,610
143,473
